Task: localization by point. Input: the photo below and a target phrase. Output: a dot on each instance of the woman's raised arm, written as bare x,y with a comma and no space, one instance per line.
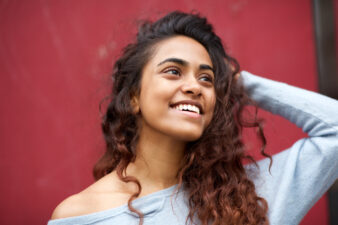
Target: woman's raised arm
301,174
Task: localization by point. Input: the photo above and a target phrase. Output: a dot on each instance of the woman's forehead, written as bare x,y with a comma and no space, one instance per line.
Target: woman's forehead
181,47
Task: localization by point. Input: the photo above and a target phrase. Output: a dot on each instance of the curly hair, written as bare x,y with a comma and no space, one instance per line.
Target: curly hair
219,188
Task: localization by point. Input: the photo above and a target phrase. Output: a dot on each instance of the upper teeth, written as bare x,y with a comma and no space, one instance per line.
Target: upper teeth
188,107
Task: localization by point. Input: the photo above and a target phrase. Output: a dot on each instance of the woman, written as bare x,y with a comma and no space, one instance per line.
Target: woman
174,147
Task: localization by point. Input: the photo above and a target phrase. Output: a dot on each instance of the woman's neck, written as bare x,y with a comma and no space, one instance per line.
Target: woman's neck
158,160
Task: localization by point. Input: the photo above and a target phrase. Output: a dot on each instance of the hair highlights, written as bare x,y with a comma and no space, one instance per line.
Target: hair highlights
212,173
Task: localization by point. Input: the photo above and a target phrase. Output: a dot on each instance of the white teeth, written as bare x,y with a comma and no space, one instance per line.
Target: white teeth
196,109
191,108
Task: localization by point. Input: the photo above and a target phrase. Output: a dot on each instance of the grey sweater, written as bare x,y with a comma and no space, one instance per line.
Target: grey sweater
299,175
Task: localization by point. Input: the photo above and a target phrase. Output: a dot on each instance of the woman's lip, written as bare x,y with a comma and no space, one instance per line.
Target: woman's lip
187,113
188,102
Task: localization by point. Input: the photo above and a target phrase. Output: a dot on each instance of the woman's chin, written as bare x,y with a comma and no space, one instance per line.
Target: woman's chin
188,136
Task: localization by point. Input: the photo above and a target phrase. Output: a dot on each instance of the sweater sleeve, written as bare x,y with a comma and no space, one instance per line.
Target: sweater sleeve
301,174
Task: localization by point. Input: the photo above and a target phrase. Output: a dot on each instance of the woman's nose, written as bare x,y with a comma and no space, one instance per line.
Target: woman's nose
191,86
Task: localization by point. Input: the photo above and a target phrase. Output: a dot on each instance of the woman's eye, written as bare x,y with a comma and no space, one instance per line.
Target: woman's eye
207,79
172,71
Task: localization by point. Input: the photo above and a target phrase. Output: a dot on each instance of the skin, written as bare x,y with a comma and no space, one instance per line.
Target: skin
164,131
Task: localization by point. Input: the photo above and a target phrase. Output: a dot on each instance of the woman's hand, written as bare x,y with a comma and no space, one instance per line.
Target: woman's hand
237,76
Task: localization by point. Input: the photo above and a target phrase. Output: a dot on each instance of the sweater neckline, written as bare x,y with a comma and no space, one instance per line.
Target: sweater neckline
149,205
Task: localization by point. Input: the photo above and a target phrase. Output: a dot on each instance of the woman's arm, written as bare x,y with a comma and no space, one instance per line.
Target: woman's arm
301,174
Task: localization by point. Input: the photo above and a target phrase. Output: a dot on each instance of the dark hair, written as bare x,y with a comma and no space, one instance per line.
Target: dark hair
213,175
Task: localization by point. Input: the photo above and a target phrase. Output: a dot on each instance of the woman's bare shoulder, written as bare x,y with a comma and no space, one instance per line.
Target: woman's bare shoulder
74,205
104,194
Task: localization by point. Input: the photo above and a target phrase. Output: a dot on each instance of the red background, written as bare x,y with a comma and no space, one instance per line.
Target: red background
55,60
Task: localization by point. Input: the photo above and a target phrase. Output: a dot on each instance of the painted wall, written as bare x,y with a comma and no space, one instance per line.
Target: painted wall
55,60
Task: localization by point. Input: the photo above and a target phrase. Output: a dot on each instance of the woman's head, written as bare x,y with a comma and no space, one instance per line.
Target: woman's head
171,37
175,61
177,95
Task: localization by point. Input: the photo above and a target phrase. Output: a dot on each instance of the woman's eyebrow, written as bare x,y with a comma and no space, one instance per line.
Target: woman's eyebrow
185,63
175,60
206,67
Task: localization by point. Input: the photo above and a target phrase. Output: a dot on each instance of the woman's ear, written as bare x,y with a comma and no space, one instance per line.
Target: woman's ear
135,104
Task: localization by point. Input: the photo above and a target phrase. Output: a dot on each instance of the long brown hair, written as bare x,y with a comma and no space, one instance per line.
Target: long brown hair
218,186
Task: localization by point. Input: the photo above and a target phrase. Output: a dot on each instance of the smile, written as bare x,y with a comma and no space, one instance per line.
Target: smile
187,107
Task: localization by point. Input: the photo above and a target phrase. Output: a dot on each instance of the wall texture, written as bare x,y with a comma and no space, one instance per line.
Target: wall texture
55,60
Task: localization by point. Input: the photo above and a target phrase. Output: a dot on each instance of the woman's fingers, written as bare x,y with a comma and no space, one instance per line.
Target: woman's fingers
237,76
232,67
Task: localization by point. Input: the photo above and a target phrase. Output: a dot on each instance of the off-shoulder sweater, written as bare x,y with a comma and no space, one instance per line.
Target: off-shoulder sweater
299,175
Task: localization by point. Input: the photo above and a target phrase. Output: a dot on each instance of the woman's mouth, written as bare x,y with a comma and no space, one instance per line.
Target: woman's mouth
187,107
189,110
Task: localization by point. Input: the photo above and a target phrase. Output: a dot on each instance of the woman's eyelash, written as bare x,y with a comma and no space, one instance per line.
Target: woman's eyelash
208,78
177,71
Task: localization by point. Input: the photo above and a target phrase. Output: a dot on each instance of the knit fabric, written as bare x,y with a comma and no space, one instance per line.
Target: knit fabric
299,175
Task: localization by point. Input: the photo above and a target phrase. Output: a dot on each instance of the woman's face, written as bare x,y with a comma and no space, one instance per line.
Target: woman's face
177,95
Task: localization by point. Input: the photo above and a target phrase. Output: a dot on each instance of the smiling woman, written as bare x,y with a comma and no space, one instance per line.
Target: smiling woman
173,128
179,75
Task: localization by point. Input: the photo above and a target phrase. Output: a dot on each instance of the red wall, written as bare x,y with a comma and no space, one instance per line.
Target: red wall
55,57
